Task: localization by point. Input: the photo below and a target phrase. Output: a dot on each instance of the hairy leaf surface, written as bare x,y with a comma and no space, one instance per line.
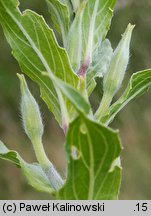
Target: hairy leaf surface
100,64
33,172
92,172
138,85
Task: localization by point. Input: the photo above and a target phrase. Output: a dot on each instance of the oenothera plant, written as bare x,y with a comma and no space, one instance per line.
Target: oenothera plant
66,76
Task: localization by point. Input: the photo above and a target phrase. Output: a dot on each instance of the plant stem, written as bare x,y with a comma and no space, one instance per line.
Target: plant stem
54,177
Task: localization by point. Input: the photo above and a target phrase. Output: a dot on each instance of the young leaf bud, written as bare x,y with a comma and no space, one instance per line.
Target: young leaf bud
31,116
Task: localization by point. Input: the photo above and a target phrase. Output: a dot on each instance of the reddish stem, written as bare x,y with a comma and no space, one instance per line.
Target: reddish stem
84,68
65,128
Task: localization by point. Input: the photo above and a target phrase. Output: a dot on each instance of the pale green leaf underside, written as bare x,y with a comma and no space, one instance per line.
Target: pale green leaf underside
91,150
102,59
37,51
60,14
138,85
33,172
100,64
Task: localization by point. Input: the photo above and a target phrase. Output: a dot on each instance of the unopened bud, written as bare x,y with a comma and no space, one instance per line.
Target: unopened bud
114,77
31,116
33,126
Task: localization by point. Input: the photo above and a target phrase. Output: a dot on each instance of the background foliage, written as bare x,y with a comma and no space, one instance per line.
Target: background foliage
134,122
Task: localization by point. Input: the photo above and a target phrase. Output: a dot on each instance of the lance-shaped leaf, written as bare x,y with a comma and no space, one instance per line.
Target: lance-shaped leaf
138,85
95,23
37,51
93,172
33,172
60,11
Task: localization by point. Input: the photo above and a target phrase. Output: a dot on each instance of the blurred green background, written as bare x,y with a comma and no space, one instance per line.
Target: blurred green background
134,121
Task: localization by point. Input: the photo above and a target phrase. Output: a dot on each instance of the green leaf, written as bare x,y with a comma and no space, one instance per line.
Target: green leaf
60,13
93,171
37,51
90,25
138,85
33,172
